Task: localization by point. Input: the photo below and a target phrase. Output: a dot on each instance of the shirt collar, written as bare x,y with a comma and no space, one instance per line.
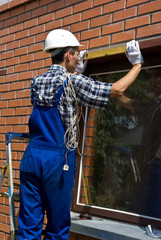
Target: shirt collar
56,67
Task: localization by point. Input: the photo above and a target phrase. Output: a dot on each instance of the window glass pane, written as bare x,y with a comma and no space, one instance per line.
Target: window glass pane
121,167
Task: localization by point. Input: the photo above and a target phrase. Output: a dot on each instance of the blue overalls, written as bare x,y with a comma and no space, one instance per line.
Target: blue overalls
45,186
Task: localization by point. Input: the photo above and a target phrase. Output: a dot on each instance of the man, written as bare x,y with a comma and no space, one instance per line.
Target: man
48,166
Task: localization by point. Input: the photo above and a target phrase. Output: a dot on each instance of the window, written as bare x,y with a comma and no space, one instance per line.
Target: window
120,166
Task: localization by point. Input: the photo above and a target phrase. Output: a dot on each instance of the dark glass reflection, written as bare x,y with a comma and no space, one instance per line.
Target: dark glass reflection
127,155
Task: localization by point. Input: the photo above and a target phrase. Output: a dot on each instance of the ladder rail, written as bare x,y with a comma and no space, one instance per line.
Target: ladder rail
7,165
10,191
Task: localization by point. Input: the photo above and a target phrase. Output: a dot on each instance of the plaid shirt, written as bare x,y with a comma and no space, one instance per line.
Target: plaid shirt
88,92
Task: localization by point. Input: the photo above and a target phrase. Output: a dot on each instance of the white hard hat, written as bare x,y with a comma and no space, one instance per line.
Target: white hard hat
60,38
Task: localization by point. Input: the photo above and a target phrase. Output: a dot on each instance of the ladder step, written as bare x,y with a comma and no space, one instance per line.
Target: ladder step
6,195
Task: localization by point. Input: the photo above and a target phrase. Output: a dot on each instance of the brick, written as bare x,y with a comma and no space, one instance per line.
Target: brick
31,23
21,51
24,17
39,11
72,236
123,36
10,22
21,68
72,19
35,47
8,38
13,120
90,34
4,32
1,25
55,6
156,17
9,95
11,70
71,2
15,3
92,13
3,218
135,2
149,7
3,72
27,58
46,18
4,88
12,77
3,63
40,37
4,16
2,122
25,76
3,48
13,45
46,2
20,129
22,34
36,64
63,12
3,7
101,2
27,41
131,12
113,7
32,5
5,227
80,26
40,55
17,11
6,55
1,81
16,28
3,104
47,64
83,6
22,111
149,30
97,42
100,21
136,22
37,30
15,103
26,102
12,61
5,113
55,24
113,28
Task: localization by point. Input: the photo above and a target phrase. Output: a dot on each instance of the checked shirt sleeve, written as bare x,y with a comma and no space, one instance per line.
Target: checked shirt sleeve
91,93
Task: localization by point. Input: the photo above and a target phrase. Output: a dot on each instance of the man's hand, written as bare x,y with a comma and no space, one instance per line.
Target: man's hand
81,66
133,52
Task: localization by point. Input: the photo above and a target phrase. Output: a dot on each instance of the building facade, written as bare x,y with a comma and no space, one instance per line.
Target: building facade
99,25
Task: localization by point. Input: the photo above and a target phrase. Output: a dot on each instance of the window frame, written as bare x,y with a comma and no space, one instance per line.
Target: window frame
149,49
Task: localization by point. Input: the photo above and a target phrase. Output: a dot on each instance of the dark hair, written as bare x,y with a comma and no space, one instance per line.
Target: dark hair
60,56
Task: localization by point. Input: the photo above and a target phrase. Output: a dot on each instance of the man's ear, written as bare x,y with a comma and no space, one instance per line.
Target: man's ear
68,55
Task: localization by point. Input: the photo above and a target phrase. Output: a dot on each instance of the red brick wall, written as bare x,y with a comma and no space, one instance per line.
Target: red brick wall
24,25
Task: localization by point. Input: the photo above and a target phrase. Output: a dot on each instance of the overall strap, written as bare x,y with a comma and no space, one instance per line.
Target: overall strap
59,93
32,94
